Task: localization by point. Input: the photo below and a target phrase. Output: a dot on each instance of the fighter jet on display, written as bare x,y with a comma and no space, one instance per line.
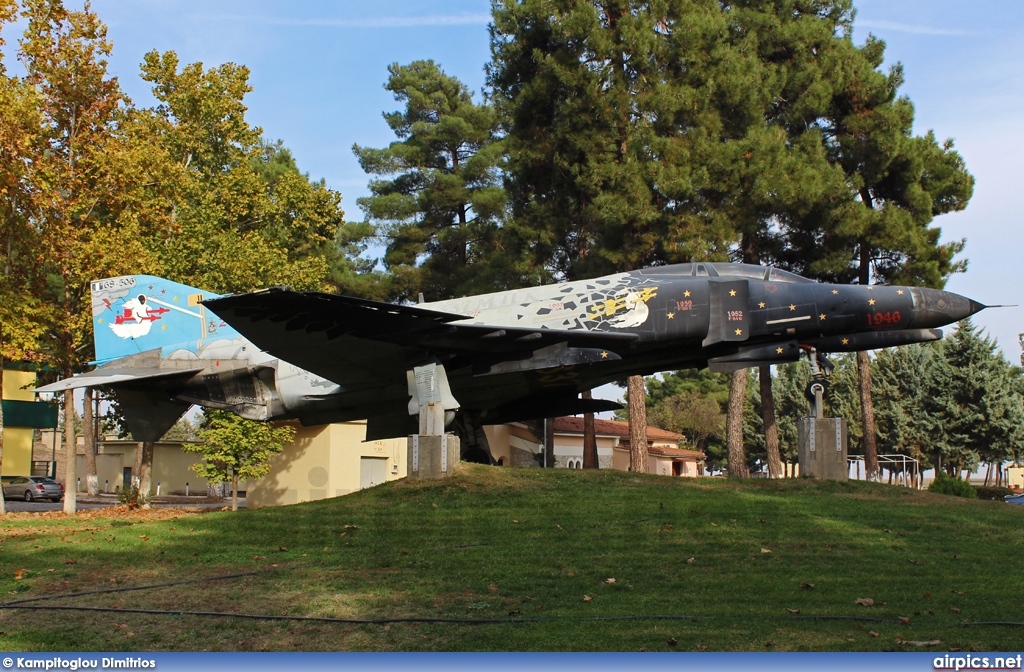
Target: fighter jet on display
278,354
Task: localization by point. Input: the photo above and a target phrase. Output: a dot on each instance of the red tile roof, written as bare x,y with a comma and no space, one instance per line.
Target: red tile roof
574,425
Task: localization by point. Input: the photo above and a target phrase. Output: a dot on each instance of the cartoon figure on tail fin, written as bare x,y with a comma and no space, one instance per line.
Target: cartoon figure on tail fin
136,318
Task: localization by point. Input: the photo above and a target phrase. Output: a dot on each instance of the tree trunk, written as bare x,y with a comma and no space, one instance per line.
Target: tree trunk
734,425
70,455
637,424
146,469
234,493
549,442
867,414
3,504
771,430
89,432
589,438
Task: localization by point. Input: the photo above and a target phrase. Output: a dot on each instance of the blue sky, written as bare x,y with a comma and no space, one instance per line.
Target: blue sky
318,70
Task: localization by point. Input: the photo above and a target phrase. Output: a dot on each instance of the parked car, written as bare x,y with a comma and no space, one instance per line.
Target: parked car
32,487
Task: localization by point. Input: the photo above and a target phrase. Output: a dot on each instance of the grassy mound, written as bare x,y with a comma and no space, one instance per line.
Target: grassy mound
532,560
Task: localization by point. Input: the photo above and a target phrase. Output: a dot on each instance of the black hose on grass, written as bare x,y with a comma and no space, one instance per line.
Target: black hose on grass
444,619
361,621
8,605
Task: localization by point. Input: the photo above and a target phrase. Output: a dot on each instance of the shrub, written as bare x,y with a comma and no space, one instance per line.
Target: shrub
993,492
945,484
132,497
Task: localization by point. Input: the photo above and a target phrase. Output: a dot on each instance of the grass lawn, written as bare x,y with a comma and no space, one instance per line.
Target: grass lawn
535,560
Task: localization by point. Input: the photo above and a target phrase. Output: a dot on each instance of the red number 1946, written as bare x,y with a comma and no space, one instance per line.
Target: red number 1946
880,320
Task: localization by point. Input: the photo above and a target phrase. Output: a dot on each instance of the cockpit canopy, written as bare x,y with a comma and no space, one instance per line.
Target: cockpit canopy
725,270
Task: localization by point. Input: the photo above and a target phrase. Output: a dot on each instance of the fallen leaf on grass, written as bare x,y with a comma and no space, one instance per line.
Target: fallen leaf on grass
259,557
113,580
51,570
690,561
587,598
954,610
570,574
701,647
672,641
559,527
913,562
864,601
19,574
918,642
927,595
354,527
610,580
957,592
492,587
143,537
122,625
904,620
793,611
874,634
765,550
71,561
807,586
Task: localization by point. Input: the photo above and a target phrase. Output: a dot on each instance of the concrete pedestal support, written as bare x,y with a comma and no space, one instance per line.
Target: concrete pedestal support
823,448
433,456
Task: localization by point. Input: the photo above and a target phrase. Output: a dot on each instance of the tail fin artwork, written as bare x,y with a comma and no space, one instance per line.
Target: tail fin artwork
136,313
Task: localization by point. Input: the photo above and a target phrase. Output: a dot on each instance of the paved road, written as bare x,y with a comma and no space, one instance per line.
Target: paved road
103,501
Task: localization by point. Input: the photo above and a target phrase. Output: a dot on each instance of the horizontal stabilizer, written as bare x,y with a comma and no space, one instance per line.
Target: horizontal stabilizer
141,368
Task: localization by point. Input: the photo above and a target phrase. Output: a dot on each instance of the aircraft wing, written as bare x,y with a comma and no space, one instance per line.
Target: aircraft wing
352,341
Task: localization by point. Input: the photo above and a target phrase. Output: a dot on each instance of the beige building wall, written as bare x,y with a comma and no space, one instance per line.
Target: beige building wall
172,472
17,459
1014,477
569,450
514,445
327,461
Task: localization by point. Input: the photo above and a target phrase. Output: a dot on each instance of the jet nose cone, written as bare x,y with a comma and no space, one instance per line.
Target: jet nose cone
936,308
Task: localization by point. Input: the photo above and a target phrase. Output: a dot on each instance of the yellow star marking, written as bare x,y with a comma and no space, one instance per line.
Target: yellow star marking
846,341
792,306
778,351
604,355
761,305
164,327
671,315
739,332
835,291
686,293
732,292
871,302
175,298
821,317
100,320
899,291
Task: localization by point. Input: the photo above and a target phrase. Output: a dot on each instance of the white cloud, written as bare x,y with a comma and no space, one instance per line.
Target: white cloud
913,28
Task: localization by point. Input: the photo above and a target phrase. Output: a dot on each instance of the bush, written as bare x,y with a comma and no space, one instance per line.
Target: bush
993,492
132,497
945,484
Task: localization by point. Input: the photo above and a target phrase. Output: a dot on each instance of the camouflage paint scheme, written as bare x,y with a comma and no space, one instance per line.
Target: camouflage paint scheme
318,358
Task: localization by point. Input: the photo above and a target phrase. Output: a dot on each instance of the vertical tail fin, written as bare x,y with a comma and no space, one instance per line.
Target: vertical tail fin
135,313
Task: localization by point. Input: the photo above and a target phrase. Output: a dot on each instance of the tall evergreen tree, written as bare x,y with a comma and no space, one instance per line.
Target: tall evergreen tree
436,199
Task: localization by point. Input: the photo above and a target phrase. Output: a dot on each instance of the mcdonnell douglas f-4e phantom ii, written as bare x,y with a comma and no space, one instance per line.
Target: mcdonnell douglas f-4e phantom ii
278,354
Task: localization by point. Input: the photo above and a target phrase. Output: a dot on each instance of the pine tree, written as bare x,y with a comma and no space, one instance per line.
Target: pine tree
436,199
